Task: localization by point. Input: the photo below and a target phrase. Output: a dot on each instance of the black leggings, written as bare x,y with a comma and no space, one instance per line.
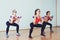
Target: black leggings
44,25
37,25
13,24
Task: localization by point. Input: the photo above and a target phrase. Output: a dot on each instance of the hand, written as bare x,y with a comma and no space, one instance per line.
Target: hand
33,16
19,17
43,17
51,16
10,16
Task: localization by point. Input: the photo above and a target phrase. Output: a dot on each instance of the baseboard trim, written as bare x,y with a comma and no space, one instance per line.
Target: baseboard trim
27,29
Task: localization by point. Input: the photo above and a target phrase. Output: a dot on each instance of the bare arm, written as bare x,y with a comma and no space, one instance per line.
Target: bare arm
11,20
34,19
51,17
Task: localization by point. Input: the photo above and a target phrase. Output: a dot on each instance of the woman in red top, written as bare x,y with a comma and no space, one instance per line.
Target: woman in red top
37,22
13,22
46,19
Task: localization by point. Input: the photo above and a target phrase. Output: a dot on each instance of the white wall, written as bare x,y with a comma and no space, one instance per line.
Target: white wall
58,12
26,9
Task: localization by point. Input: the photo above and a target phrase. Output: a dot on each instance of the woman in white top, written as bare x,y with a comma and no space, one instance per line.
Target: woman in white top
14,19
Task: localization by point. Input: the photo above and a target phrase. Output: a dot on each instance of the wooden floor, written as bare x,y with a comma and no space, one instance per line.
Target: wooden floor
36,35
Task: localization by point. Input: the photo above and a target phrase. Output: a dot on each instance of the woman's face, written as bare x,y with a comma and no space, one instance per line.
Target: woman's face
38,12
49,14
14,14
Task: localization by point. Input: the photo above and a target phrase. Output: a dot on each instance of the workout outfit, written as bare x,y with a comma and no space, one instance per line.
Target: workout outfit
47,23
43,25
12,24
32,25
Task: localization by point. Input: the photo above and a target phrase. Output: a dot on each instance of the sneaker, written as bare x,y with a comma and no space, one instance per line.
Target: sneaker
42,35
17,34
30,37
7,35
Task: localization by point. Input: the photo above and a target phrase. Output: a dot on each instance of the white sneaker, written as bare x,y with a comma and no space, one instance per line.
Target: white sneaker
17,34
7,35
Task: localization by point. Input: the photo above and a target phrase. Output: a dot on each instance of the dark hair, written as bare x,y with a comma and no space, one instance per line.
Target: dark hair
47,12
36,11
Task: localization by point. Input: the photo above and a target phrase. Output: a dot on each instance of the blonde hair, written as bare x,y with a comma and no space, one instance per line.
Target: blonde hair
14,11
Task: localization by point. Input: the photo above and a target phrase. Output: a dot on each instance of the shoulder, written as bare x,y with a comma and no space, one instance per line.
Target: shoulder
35,16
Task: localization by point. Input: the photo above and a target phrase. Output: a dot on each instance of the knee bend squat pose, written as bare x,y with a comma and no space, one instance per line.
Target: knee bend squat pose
46,19
14,19
37,22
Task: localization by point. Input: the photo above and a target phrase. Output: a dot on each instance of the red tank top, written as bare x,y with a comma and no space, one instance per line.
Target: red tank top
37,20
47,18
